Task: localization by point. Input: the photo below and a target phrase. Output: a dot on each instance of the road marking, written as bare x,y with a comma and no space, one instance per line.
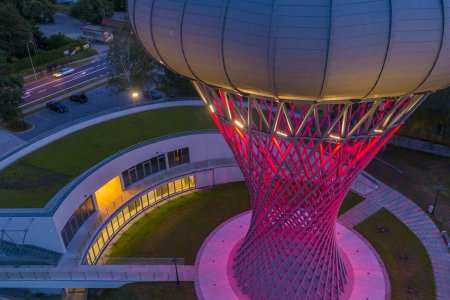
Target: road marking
75,78
41,91
31,102
62,78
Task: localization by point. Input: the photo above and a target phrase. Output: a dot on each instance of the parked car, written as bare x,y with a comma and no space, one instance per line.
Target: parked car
64,72
154,94
79,98
57,106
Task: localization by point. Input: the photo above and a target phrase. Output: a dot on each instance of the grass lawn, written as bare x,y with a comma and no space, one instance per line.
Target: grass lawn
349,202
404,256
34,179
146,291
179,227
422,174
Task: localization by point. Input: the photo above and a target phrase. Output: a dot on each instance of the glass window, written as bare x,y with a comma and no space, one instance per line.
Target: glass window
64,237
79,217
120,218
110,229
192,181
95,249
115,223
105,234
185,155
69,232
178,185
147,168
133,177
140,171
171,159
144,200
151,196
73,223
138,204
90,205
162,162
154,165
132,208
126,214
171,188
158,193
126,178
164,191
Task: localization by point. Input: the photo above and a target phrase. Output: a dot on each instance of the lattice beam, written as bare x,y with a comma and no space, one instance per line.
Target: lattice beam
299,160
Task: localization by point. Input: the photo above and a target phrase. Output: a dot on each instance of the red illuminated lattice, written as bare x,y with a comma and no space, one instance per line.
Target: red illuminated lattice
299,160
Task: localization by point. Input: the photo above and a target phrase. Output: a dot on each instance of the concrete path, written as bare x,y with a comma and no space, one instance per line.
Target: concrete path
8,141
417,221
368,279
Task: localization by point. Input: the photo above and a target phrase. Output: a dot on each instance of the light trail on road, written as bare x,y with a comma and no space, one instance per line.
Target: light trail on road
50,86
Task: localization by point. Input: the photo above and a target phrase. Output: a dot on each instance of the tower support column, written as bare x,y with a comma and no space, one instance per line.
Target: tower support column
299,160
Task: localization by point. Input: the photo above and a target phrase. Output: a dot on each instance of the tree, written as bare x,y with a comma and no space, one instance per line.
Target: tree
120,5
36,11
15,31
10,90
93,10
175,85
131,66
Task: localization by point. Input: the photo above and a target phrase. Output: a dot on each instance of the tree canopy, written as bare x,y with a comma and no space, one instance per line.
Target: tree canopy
93,11
131,66
10,89
35,11
15,31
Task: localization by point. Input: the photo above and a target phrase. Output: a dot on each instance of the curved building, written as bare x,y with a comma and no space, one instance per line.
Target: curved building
305,93
301,49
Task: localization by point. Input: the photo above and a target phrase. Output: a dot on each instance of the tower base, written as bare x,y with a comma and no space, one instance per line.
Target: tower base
367,278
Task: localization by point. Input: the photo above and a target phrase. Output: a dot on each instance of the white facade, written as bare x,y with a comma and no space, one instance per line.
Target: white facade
45,231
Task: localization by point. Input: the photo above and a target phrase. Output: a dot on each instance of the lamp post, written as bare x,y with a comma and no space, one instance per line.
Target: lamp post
176,271
23,120
134,97
32,65
438,190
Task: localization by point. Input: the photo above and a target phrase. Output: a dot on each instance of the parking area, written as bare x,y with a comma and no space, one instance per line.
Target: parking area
64,23
99,100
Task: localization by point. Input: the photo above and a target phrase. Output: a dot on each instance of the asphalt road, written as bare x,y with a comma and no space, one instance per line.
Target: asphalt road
38,90
99,100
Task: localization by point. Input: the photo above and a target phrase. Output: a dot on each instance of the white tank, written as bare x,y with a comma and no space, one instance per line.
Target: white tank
301,49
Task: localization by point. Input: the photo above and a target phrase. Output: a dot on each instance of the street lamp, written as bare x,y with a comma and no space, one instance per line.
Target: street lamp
32,65
176,271
134,96
438,190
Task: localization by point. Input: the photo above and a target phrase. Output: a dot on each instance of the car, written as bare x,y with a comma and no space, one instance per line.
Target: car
79,98
57,106
64,72
153,94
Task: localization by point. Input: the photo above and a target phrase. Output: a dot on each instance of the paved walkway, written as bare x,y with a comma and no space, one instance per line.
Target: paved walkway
367,280
417,221
8,141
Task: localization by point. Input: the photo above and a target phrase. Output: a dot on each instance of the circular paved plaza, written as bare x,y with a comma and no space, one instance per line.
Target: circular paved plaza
366,275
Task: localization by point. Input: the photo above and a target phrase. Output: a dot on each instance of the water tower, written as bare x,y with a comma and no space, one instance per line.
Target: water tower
305,93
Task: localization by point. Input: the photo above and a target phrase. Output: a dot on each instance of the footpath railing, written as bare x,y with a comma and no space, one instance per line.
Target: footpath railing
123,270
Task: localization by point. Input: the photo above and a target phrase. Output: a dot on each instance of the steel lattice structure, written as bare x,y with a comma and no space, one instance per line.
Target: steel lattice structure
299,160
